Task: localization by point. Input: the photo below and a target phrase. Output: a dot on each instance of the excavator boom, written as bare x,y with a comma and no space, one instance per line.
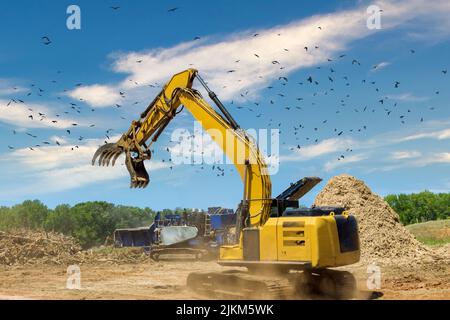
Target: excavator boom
224,130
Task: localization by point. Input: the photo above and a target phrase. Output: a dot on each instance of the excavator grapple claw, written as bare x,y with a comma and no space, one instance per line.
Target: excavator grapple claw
105,153
108,154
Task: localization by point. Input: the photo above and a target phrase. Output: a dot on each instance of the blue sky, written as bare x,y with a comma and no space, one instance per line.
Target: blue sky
401,144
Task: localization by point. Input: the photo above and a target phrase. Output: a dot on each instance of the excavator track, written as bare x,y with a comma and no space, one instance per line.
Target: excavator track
239,285
328,284
233,284
198,254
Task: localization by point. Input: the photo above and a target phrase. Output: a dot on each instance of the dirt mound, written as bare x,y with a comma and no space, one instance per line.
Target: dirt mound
443,250
383,237
38,247
28,247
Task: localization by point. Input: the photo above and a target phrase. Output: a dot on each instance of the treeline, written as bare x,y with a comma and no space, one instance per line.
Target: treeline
420,207
89,222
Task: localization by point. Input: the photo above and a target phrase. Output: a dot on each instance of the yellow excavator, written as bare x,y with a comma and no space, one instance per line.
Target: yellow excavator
288,250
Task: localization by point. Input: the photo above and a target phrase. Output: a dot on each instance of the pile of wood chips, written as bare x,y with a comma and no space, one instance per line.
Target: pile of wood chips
382,236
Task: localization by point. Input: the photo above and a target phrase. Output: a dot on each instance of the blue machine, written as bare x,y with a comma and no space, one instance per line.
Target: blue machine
222,221
212,229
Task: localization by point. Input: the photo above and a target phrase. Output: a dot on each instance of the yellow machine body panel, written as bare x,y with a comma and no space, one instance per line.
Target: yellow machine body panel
293,242
313,241
231,253
269,234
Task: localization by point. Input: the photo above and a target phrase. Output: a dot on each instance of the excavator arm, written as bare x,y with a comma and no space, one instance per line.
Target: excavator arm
223,129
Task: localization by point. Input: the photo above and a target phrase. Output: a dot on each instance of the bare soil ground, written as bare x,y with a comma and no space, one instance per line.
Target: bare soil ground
167,279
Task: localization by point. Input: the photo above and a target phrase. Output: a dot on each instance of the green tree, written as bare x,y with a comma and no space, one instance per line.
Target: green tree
420,207
61,219
94,222
7,219
30,214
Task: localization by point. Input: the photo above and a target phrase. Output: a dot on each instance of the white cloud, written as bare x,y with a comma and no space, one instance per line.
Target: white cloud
439,135
441,157
53,157
195,148
423,161
56,168
97,95
400,155
8,88
65,178
380,66
322,148
374,151
200,148
18,114
409,97
59,139
331,165
216,57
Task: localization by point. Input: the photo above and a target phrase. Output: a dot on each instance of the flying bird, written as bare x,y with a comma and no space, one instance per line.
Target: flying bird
46,40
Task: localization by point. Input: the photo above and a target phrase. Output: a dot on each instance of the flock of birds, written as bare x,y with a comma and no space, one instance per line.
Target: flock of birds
325,81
